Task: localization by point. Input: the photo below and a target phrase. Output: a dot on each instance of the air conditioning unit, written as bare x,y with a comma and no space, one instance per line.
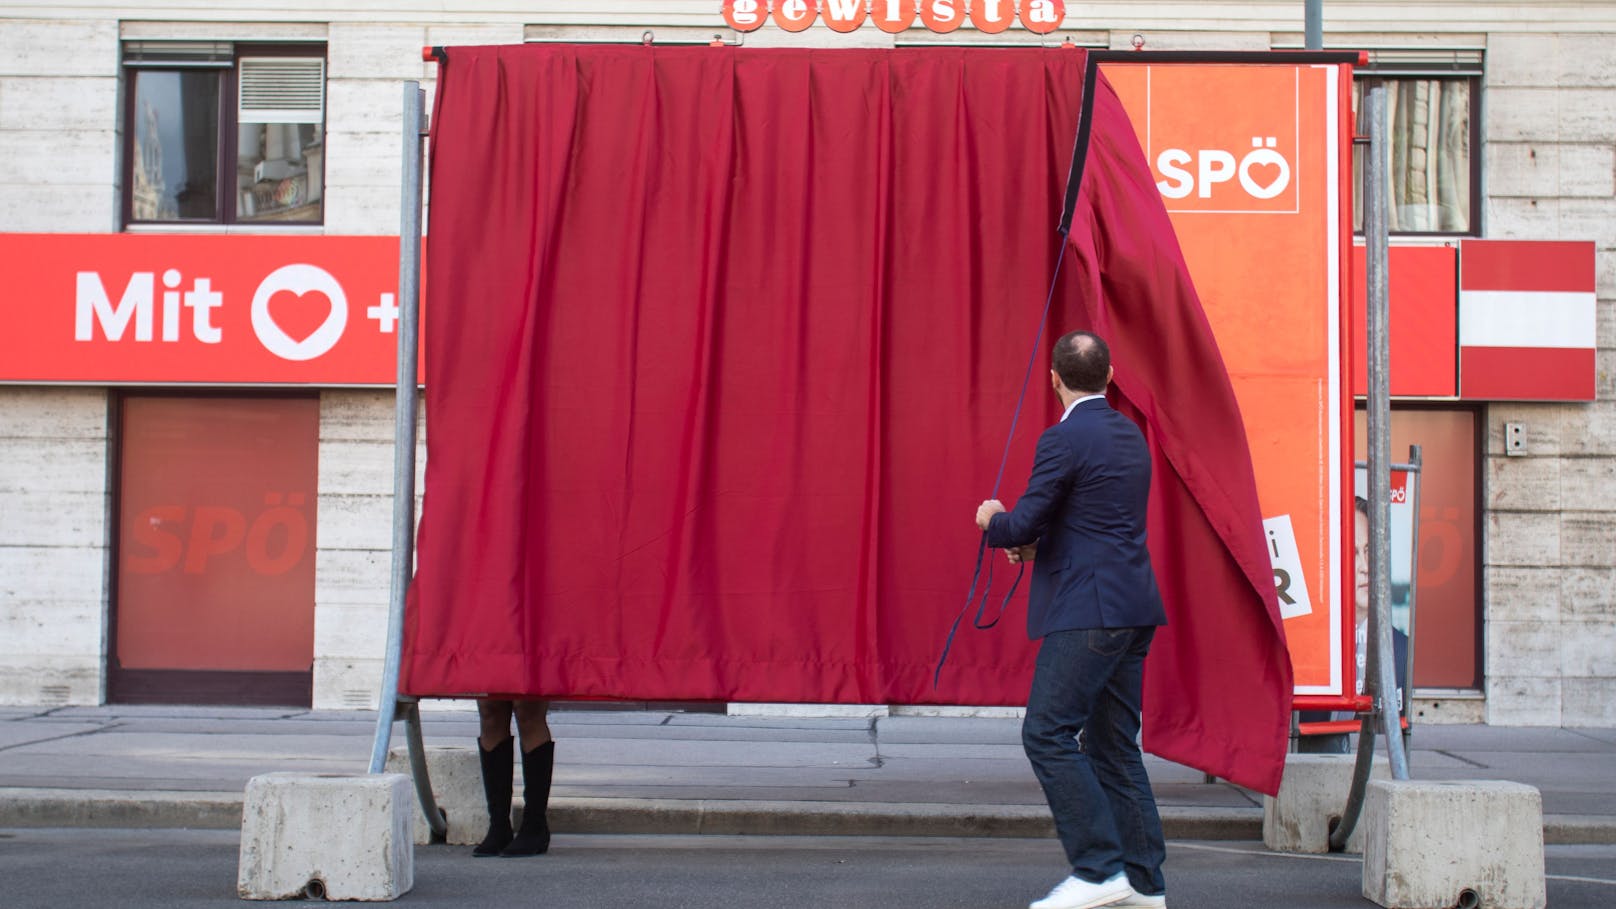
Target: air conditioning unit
282,90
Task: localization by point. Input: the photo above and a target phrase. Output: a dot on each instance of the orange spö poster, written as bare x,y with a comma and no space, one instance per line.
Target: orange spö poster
1249,159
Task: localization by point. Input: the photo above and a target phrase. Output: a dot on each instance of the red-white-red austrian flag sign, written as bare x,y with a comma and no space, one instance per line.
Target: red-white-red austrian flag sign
1527,320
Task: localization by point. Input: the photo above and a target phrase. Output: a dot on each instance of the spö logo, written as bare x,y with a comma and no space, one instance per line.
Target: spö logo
1263,172
1235,153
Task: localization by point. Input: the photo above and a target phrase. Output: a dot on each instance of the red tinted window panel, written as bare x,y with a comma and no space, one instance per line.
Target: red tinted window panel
1423,321
1447,624
216,533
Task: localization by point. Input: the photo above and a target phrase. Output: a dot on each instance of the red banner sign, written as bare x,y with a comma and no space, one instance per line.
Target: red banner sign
125,308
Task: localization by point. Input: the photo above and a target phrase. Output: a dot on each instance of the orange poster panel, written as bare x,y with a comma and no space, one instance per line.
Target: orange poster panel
216,533
1248,159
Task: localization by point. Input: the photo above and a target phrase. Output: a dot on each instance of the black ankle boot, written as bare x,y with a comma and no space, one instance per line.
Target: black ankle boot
534,837
497,763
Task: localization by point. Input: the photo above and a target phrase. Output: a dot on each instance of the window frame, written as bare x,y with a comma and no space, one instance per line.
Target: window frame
225,191
1478,457
232,687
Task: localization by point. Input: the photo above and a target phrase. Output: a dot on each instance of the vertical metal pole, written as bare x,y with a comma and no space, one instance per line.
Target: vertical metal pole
1313,25
1378,664
409,290
1380,447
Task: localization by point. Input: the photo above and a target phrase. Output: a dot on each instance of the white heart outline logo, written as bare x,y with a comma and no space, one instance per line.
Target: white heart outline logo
299,279
1269,157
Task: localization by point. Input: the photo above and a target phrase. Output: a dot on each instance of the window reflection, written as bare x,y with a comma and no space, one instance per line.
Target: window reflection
1428,158
175,173
279,171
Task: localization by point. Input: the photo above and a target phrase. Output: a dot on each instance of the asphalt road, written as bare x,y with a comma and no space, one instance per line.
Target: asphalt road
148,868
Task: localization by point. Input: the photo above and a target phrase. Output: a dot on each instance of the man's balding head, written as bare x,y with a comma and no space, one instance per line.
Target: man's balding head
1083,362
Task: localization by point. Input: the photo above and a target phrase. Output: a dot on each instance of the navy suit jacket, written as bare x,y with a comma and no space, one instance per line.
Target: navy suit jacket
1085,508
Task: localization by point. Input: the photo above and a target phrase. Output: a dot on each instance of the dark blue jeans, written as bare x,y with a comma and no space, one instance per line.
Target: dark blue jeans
1081,735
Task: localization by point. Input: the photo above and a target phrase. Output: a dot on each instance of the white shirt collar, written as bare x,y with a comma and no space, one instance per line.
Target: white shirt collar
1074,404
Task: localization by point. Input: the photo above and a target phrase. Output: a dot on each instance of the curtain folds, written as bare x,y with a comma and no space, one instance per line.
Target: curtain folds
723,345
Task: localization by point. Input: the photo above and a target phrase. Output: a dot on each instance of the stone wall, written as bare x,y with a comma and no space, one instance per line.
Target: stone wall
1550,547
354,561
53,545
58,125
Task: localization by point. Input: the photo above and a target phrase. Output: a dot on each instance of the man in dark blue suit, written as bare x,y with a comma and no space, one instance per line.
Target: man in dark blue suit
1095,605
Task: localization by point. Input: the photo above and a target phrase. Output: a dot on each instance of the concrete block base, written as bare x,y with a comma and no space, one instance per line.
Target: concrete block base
457,784
1312,795
1430,845
331,835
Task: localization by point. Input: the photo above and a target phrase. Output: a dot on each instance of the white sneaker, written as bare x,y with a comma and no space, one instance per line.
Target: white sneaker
1076,893
1139,900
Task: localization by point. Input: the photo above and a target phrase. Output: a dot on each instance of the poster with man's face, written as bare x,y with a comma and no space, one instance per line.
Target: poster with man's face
1404,486
1404,495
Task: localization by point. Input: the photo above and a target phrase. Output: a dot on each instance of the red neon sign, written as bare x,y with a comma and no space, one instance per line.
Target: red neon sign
893,16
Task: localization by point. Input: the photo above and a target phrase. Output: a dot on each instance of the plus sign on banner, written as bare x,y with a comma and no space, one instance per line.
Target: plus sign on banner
121,308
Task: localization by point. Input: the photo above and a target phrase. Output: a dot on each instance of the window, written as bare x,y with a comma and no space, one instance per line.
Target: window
1431,115
224,134
1446,600
213,591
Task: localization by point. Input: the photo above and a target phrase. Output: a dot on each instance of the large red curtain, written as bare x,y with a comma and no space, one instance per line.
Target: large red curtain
723,345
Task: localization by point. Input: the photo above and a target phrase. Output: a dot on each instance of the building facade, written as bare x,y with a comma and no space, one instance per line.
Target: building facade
182,123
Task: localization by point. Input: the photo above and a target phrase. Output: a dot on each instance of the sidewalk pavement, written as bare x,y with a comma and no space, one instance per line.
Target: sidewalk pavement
668,772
